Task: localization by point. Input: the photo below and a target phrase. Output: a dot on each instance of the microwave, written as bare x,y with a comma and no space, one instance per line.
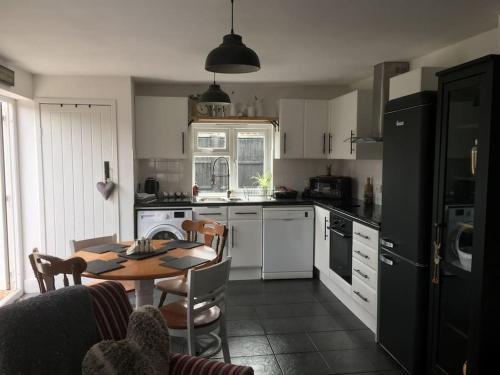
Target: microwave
330,187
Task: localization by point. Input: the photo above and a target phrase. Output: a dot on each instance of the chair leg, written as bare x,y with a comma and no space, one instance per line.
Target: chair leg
162,299
223,336
191,341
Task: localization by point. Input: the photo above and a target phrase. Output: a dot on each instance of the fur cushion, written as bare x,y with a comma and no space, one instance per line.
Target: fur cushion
145,351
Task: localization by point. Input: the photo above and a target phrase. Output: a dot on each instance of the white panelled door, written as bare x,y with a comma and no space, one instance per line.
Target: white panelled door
76,141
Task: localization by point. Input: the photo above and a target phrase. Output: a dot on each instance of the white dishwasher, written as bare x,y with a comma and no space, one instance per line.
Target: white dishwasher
288,234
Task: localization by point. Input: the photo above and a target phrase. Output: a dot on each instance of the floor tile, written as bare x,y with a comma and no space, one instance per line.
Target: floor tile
291,343
262,365
349,321
302,363
245,300
247,346
363,338
244,328
318,323
281,325
335,340
291,310
336,308
241,313
381,360
279,298
348,361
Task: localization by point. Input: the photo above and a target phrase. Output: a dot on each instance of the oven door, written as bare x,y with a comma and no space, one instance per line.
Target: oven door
341,252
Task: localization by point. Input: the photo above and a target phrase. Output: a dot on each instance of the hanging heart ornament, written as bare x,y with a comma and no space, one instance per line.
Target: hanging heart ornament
106,188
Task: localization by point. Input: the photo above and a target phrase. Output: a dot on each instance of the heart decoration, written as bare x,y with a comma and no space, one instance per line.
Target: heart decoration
106,188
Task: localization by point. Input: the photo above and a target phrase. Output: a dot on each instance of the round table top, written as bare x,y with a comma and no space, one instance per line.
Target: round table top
149,268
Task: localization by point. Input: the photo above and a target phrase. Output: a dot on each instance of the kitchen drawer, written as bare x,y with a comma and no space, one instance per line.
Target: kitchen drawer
216,213
365,273
364,295
364,234
365,254
245,213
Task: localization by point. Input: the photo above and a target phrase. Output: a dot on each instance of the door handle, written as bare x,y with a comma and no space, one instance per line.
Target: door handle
232,236
182,139
362,254
364,275
386,243
329,143
324,143
284,142
362,235
360,295
384,259
326,225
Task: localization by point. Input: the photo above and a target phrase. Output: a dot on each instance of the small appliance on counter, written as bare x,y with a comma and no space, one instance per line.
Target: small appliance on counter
282,192
330,187
151,185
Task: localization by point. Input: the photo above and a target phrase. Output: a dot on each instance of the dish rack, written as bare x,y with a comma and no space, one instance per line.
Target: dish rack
257,192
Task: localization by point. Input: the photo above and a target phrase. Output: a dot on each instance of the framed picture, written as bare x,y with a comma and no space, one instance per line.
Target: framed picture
6,76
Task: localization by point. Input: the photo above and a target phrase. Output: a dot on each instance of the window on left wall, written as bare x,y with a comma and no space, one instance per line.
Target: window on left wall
227,157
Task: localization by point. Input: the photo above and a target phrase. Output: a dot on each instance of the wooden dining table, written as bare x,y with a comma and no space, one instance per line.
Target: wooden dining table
144,272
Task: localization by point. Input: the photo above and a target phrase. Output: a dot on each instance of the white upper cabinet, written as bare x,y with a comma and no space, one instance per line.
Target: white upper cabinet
290,142
161,125
351,116
315,129
302,130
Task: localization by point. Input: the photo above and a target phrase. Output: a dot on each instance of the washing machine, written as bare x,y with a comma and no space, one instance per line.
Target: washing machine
165,224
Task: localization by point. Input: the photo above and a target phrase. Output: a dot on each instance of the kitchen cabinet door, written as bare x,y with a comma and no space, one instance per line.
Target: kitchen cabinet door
290,142
315,129
322,239
245,243
161,125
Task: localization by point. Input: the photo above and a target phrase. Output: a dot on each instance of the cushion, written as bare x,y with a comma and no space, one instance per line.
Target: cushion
111,309
144,351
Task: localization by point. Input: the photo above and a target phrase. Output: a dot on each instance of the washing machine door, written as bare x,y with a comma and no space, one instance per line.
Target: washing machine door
165,232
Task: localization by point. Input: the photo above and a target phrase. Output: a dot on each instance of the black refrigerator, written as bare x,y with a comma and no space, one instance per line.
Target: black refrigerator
408,164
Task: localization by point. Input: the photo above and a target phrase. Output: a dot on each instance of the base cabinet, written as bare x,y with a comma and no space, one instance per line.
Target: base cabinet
322,239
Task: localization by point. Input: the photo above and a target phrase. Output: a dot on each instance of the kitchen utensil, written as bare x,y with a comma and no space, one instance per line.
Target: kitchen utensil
151,186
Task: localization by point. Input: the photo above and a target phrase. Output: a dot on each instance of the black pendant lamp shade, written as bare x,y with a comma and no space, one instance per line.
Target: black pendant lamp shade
215,96
232,56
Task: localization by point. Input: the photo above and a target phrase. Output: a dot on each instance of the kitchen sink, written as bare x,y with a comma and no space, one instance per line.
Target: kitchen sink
218,200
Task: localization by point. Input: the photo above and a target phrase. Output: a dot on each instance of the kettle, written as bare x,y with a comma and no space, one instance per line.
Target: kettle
151,186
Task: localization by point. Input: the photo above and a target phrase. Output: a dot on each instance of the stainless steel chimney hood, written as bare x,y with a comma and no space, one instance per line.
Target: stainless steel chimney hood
382,73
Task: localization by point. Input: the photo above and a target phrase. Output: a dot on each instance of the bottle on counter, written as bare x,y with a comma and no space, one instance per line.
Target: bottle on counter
368,191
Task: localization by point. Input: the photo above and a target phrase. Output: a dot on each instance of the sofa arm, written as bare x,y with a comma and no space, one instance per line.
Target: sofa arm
181,364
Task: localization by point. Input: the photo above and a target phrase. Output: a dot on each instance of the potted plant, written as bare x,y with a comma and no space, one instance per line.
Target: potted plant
263,181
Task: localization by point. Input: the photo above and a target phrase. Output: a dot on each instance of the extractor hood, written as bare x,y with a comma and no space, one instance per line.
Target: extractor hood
382,73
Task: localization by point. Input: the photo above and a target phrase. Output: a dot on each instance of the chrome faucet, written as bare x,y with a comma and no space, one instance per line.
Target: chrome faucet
214,176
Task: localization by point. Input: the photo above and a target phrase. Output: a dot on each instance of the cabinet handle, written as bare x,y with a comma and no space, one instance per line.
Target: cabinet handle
360,296
246,213
364,275
232,237
350,142
326,225
284,142
183,142
362,235
329,143
209,214
324,143
362,254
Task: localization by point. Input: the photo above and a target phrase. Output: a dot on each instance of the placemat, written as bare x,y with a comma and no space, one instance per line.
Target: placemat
184,262
117,260
99,266
99,249
182,244
168,258
144,255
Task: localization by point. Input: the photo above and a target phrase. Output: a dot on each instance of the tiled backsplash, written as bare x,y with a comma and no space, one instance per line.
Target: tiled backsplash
175,175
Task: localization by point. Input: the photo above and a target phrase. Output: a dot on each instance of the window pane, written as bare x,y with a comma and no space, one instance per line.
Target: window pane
211,140
250,157
204,168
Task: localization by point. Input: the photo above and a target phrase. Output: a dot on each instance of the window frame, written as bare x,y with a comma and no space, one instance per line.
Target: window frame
232,150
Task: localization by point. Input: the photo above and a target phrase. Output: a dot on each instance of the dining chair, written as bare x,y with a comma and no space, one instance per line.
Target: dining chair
75,246
46,267
211,231
202,312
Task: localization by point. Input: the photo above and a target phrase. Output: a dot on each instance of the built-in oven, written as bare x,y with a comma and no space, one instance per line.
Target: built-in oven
341,246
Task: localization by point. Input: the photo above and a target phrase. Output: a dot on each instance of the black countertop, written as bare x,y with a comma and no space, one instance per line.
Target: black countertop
357,209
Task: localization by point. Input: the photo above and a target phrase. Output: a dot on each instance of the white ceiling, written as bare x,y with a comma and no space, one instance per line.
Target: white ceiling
302,41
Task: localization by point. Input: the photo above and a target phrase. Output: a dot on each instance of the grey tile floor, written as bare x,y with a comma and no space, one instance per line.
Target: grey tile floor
298,327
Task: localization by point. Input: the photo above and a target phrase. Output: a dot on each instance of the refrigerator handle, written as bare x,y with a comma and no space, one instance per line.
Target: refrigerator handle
384,259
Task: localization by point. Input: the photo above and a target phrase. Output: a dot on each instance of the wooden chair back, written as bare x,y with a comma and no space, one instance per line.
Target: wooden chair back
46,267
83,244
211,231
207,288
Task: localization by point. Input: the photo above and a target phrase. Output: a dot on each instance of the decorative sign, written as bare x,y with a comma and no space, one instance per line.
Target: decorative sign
6,76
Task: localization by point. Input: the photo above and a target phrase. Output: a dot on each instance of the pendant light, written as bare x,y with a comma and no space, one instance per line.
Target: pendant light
215,96
232,56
